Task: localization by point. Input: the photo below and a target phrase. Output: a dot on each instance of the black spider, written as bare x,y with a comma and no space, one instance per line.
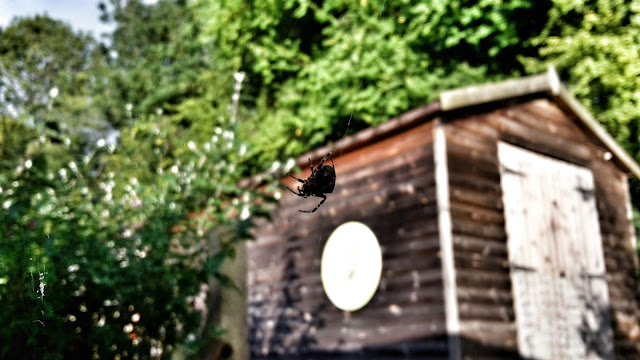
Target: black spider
321,181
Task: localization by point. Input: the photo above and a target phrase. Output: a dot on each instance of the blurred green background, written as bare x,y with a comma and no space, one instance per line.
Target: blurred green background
119,154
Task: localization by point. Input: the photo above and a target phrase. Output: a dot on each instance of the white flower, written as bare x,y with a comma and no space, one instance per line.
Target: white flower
275,166
129,107
243,150
6,204
53,92
73,166
28,164
73,268
245,212
174,169
289,165
239,76
192,146
101,143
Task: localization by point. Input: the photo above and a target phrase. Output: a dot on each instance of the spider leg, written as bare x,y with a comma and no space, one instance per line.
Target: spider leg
311,165
325,159
299,193
324,198
300,180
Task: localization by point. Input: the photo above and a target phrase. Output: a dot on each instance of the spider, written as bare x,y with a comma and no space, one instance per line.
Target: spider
321,181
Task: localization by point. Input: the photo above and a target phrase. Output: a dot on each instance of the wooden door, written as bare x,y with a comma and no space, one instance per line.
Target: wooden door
557,267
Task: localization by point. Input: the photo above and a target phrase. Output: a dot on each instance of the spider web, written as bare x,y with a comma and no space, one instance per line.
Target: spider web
346,131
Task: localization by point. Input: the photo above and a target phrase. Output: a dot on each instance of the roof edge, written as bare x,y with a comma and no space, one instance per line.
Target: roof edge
481,94
599,131
548,82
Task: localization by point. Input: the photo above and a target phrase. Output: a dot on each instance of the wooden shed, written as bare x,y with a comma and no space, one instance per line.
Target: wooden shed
504,219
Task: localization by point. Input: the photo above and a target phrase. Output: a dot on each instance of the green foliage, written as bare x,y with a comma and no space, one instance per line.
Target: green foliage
112,246
47,75
315,67
162,68
103,245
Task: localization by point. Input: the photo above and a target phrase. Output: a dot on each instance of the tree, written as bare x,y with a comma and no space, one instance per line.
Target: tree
102,249
48,76
315,67
158,66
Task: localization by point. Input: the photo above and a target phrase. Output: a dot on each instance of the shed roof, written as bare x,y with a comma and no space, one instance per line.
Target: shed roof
546,83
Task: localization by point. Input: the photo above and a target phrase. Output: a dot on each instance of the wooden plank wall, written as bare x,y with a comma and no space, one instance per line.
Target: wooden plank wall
481,259
390,187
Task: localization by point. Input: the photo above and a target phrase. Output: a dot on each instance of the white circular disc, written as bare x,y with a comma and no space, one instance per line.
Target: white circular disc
351,266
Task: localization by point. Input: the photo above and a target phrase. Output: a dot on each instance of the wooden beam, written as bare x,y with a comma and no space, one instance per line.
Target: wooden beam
445,230
475,95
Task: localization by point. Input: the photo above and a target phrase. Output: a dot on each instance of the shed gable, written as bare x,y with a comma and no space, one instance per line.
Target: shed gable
485,285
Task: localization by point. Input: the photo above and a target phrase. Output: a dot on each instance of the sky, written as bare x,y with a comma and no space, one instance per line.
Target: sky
80,14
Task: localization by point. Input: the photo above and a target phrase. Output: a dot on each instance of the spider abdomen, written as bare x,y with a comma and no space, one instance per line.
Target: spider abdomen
326,179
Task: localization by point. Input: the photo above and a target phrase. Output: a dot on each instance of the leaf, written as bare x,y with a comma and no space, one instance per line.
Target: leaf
226,282
214,263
